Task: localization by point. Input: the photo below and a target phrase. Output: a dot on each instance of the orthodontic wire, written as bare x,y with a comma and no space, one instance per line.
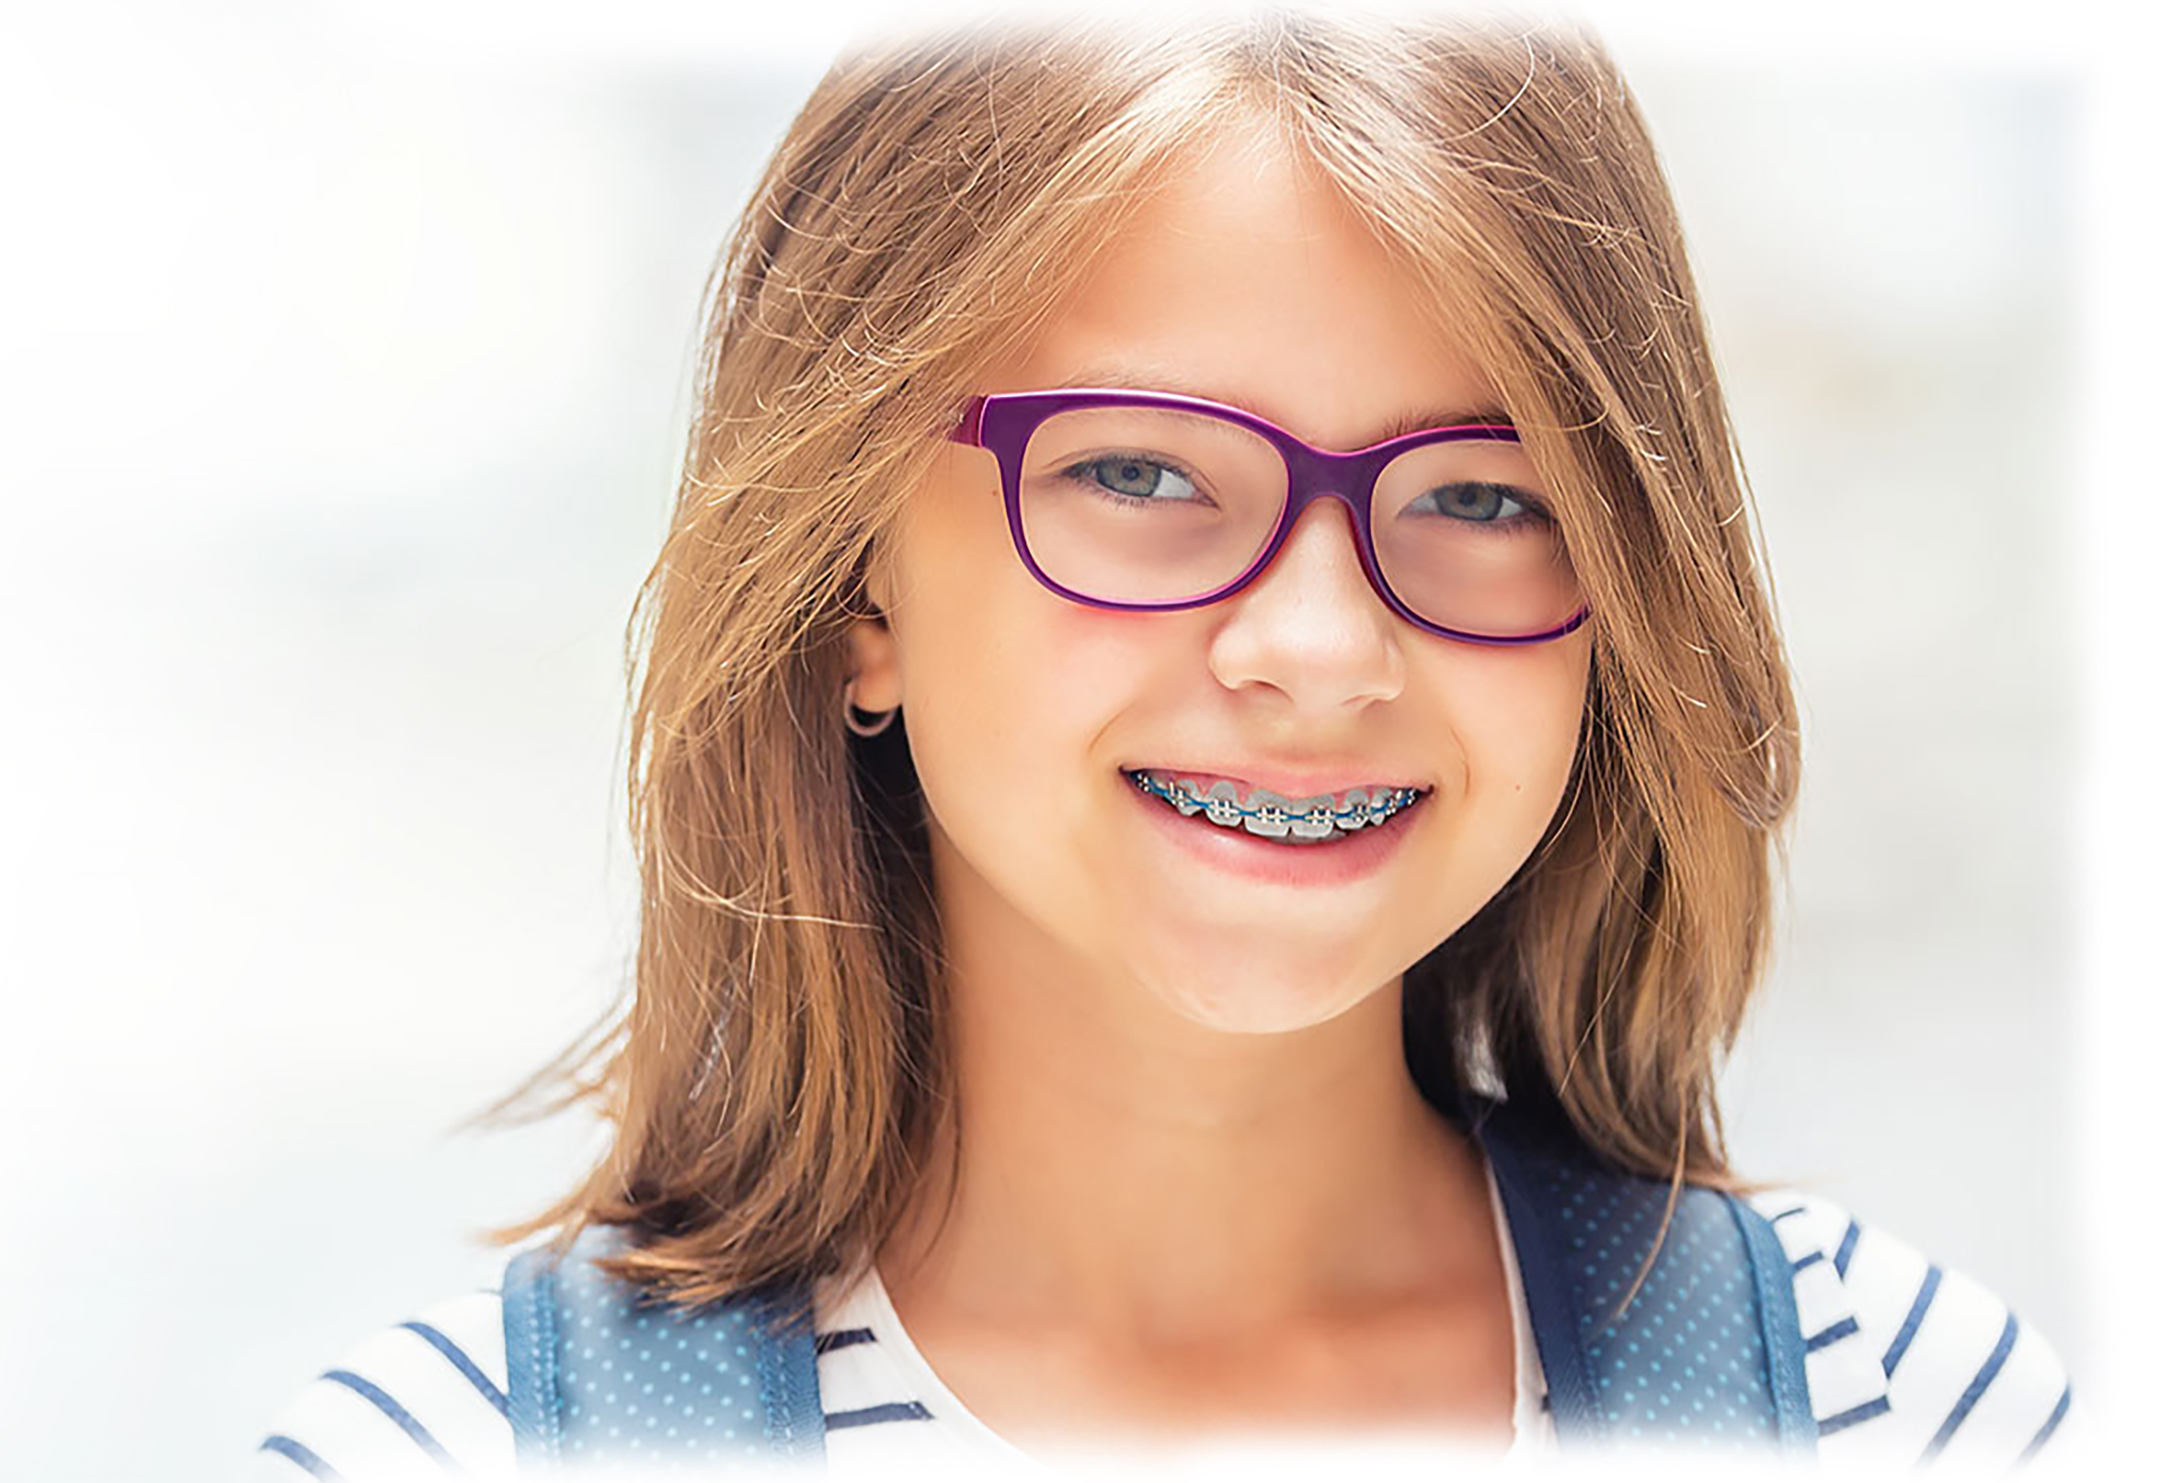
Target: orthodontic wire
1398,799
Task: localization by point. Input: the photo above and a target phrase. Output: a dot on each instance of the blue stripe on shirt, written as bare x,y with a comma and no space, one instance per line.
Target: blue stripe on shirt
1865,1411
2047,1428
388,1405
1845,1247
462,1361
304,1456
842,1338
871,1415
1844,1328
1974,1391
1911,1325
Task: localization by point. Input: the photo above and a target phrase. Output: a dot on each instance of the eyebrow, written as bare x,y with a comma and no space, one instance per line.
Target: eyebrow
1417,420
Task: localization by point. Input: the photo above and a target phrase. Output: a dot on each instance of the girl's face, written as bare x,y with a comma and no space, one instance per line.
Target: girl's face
1246,283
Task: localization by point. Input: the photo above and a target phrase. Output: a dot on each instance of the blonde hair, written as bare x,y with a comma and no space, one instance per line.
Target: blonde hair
774,1080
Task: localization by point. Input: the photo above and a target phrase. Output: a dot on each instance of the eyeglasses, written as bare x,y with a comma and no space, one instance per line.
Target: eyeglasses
1144,501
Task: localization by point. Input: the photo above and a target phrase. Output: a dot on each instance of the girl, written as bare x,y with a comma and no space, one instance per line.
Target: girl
1207,753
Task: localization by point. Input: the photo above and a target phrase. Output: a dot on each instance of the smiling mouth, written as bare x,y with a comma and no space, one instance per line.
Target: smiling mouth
1269,815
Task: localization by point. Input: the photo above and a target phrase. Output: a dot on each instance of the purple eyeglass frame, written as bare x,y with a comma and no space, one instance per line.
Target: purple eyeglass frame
1003,423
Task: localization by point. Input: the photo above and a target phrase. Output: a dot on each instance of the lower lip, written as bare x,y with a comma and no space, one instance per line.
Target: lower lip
1358,854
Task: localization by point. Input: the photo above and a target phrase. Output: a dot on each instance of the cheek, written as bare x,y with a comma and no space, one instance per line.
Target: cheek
1005,687
1552,713
1518,719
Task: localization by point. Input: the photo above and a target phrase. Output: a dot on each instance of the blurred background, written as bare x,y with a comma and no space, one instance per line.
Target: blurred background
346,362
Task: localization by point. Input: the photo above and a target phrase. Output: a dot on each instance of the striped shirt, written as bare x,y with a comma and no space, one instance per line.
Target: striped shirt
1906,1363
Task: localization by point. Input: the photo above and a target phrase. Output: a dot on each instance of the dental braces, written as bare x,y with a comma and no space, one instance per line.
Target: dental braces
1229,813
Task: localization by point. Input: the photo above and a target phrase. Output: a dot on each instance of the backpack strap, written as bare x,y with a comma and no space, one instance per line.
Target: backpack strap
1708,1351
602,1374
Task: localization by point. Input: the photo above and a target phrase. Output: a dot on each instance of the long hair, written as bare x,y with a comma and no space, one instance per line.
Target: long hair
774,1079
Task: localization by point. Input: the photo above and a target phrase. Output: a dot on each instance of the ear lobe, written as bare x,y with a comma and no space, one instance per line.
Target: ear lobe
873,665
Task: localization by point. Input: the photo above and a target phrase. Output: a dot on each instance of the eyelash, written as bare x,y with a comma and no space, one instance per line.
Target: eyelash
1532,510
1079,472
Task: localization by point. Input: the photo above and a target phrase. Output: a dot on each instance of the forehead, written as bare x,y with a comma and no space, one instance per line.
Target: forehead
1249,279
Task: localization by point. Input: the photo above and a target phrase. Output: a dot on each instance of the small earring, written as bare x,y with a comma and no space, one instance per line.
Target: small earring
849,710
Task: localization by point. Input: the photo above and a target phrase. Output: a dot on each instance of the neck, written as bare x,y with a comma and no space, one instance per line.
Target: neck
1141,1178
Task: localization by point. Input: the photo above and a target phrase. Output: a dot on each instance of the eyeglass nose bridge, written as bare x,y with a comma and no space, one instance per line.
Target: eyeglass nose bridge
1316,474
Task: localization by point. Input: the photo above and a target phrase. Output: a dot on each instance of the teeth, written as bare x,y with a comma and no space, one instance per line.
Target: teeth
1356,810
1317,822
1222,805
1270,818
1270,815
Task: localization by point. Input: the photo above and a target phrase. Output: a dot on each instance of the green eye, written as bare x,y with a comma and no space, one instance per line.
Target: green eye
1129,476
1478,501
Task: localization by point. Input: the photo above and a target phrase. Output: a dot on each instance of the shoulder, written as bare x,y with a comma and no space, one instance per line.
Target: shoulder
1907,1360
422,1399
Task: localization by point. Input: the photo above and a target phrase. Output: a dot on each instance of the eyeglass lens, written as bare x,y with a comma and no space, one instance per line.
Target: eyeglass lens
1152,505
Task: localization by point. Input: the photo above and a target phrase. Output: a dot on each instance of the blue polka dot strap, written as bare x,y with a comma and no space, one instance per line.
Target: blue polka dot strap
601,1375
1708,1351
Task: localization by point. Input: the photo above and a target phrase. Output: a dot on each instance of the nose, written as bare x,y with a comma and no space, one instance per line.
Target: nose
1311,624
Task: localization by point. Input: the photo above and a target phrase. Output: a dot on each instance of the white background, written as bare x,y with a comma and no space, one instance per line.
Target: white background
343,362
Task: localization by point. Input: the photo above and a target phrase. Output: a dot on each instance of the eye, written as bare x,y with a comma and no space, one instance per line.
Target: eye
1133,476
1476,500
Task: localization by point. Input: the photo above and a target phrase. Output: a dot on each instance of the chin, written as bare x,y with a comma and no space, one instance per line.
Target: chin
1246,998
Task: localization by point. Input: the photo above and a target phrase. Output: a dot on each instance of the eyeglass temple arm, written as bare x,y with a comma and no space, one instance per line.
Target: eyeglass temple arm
969,429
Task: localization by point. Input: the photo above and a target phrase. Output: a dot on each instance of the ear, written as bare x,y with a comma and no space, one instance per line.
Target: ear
873,651
874,664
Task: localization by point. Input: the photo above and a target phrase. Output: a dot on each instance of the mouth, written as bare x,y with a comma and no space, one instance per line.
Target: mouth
1262,813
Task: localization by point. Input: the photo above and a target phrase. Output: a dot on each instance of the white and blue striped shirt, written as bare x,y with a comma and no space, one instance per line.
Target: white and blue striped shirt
1906,1363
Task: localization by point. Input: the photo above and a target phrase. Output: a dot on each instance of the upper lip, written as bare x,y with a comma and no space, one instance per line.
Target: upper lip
1300,782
